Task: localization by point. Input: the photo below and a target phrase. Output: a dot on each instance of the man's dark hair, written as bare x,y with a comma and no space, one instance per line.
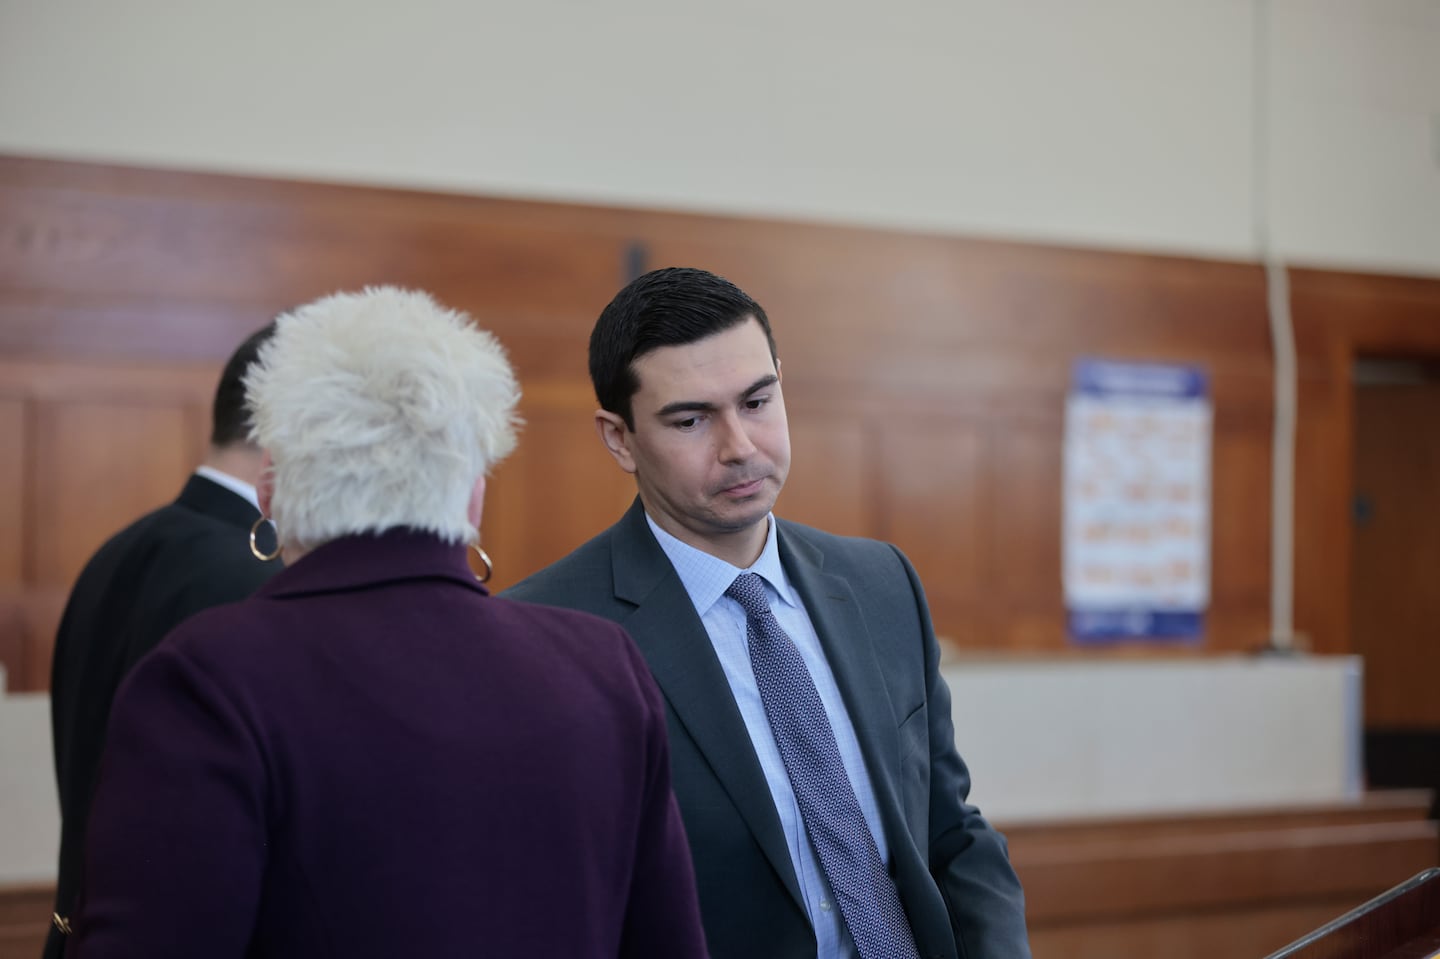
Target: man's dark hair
669,307
229,419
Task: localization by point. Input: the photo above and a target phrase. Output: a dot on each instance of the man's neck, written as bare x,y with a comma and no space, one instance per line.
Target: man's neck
740,548
239,461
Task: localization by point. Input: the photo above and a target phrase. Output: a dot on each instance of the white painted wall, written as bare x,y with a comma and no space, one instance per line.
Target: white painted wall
1127,123
29,809
1099,738
1355,140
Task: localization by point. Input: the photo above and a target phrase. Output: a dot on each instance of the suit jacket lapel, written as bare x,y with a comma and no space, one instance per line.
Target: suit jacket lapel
673,640
835,613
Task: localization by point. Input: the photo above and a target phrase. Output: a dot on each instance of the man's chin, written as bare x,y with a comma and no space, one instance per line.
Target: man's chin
743,516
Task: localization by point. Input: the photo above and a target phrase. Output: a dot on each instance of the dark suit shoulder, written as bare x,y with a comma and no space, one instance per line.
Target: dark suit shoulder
135,539
834,547
582,580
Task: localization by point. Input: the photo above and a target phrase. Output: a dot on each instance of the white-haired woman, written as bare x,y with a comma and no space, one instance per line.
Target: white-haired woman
372,756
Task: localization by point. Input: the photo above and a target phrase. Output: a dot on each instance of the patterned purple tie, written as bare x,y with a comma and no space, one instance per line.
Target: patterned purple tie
865,892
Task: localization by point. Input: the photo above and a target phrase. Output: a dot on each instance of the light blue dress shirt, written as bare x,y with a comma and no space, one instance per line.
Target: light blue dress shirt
237,486
706,578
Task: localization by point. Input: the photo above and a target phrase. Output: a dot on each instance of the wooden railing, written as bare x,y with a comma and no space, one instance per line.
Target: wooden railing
1403,923
1234,885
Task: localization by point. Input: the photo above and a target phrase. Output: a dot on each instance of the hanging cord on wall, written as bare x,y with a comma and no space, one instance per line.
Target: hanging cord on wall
1282,637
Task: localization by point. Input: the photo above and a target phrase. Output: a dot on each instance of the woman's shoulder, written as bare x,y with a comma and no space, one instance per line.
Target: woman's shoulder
226,634
558,620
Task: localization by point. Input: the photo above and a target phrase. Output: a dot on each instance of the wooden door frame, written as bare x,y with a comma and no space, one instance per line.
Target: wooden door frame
1338,318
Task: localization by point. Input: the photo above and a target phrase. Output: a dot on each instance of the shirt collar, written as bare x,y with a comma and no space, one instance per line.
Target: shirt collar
237,486
706,577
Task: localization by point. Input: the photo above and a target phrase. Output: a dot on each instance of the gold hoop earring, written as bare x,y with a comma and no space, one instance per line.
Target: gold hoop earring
484,558
254,547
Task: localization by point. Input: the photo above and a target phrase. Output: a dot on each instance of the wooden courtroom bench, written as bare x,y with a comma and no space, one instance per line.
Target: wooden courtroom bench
1214,885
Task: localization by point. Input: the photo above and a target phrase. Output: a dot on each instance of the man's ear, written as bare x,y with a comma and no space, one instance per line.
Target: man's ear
616,436
778,375
265,483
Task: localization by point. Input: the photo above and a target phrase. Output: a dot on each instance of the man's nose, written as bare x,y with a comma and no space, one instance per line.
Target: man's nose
735,444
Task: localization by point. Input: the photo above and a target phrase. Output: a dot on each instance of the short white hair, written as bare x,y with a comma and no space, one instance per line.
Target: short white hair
380,409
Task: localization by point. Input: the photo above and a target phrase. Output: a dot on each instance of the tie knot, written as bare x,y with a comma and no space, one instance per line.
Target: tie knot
749,591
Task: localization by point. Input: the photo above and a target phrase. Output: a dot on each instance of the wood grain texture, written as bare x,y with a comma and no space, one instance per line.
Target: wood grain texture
24,919
102,461
1338,318
828,483
932,497
1395,612
558,488
1403,923
96,445
1235,884
14,456
925,375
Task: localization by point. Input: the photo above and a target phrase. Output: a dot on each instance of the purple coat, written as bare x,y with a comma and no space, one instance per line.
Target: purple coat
374,757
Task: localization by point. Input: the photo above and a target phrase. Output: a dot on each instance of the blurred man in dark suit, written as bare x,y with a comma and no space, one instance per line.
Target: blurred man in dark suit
160,570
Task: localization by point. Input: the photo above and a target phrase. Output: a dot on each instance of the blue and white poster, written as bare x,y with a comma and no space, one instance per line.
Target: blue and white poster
1137,501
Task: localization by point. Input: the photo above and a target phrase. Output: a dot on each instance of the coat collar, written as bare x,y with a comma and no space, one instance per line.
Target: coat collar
210,498
370,559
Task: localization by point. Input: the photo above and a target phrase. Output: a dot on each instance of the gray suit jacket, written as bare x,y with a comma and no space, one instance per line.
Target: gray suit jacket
952,870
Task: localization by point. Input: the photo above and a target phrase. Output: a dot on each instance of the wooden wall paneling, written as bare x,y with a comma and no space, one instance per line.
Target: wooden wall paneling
110,444
13,637
160,266
1240,505
98,461
559,488
1238,618
41,610
1323,511
828,284
94,434
1395,606
14,489
145,270
14,455
932,502
827,486
1023,479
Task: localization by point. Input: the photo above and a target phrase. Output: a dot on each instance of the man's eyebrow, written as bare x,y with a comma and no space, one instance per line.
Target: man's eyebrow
698,406
769,379
685,406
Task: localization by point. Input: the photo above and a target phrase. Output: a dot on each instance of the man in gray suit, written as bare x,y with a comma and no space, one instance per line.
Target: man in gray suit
811,742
